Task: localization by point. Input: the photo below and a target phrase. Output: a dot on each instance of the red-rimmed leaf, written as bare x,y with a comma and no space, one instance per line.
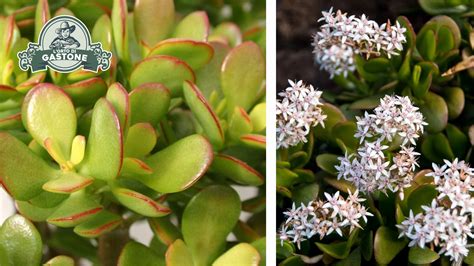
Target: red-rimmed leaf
228,31
240,124
236,170
149,103
104,152
86,92
178,254
22,173
76,209
28,84
196,54
194,26
119,28
165,230
6,92
175,168
204,114
173,72
133,166
60,261
254,141
140,203
68,182
243,253
117,95
32,212
153,20
12,121
41,16
100,224
208,77
141,140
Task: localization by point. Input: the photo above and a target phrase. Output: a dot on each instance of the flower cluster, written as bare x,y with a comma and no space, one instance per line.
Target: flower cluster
297,112
323,217
447,223
342,36
370,169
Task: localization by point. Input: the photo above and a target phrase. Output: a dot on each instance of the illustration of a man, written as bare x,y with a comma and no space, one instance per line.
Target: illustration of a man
64,39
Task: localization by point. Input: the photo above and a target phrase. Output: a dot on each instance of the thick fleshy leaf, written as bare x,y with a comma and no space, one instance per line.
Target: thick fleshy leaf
149,103
60,261
153,20
45,120
196,54
436,148
120,29
254,141
48,199
86,92
194,26
28,84
140,203
164,230
243,72
141,140
457,140
426,45
75,210
229,32
454,98
172,72
175,168
134,166
243,253
41,16
435,112
22,173
6,92
20,241
239,124
104,152
204,114
327,162
208,77
178,254
11,121
422,195
68,182
339,250
32,212
135,253
334,116
236,170
117,95
418,255
258,117
101,223
213,213
387,245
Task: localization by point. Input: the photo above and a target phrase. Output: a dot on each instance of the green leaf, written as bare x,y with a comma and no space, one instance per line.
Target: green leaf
410,33
435,112
20,242
436,148
68,182
367,245
60,261
305,193
173,72
153,20
203,112
229,32
434,7
457,140
334,116
236,170
45,120
102,32
47,199
138,254
86,92
75,210
141,140
239,124
387,245
22,172
164,230
243,254
445,40
454,97
175,168
338,250
327,162
32,212
422,195
117,95
254,141
99,224
194,26
41,16
426,44
261,247
243,72
104,152
28,84
149,103
120,29
140,203
178,254
377,65
418,255
6,92
134,166
213,213
258,117
196,54
208,77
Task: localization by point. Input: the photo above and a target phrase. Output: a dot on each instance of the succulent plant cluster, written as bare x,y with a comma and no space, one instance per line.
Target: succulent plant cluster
390,118
163,136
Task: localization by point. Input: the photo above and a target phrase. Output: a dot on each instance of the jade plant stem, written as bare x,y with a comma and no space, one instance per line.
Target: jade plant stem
111,244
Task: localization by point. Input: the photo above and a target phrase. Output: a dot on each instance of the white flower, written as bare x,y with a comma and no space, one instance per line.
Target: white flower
341,37
323,217
297,112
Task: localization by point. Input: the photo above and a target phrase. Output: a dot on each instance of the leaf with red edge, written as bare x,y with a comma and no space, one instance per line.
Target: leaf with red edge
140,203
236,170
133,166
41,16
178,254
172,72
194,26
31,82
239,124
149,103
76,209
86,92
117,95
164,230
203,112
141,140
100,224
228,31
68,182
11,121
208,77
6,92
119,29
32,212
196,54
254,141
159,13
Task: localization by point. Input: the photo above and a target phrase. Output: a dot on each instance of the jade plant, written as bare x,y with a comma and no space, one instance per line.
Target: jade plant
164,136
384,176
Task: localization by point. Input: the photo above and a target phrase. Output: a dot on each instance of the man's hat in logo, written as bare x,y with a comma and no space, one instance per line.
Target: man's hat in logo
64,25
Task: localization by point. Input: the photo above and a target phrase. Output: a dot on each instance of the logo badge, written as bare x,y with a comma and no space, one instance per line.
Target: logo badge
64,45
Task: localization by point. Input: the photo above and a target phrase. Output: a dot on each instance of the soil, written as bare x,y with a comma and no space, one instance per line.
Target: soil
297,22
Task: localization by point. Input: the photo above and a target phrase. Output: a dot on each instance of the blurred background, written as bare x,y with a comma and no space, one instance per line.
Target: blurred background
297,22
